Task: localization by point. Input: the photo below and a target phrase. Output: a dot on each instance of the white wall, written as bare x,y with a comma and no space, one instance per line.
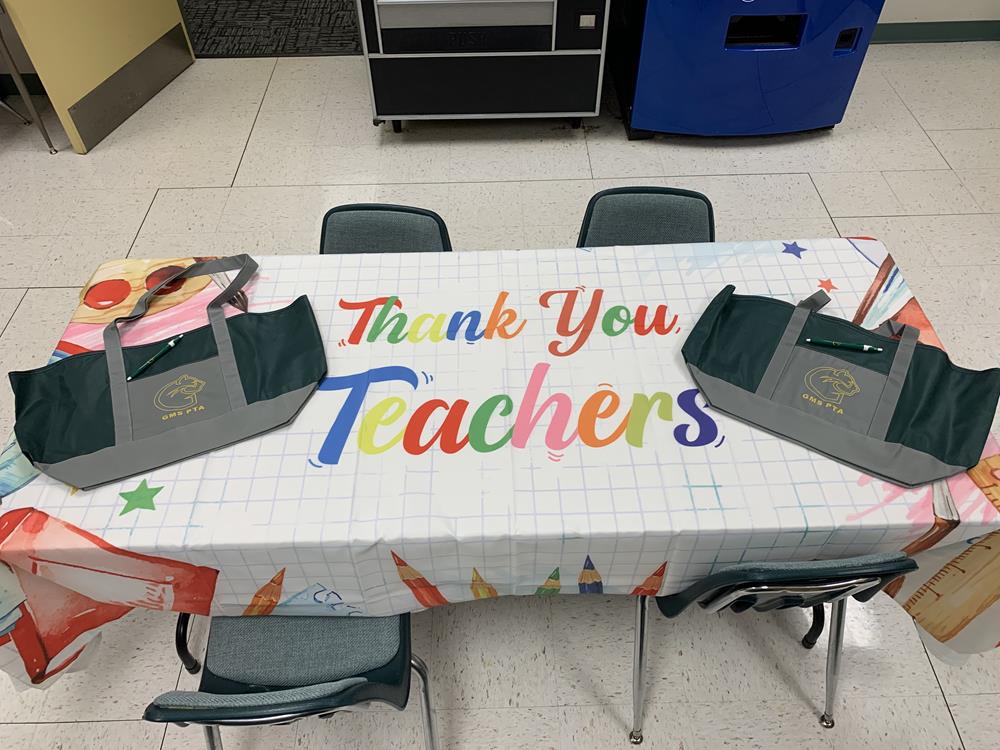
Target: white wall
905,11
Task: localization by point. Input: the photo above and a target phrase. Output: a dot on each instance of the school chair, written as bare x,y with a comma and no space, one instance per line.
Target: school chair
646,216
382,228
764,586
274,669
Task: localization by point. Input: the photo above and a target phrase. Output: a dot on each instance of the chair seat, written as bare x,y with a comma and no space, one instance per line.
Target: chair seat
885,566
192,700
283,652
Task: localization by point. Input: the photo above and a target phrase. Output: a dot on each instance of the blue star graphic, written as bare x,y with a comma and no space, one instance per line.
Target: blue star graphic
792,248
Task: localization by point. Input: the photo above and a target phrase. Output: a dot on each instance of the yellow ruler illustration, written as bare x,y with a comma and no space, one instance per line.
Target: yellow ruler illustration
959,592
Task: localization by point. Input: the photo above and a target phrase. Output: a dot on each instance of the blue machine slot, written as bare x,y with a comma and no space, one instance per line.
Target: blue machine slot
733,67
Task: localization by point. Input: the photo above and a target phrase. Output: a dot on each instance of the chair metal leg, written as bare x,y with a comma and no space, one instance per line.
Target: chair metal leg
8,62
190,663
9,109
430,730
816,629
213,738
833,659
639,669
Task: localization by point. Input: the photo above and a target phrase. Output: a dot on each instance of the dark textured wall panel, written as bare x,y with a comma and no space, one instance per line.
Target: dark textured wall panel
272,28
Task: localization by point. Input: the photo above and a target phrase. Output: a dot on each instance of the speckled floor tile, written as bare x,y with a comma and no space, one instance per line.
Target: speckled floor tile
9,300
135,663
976,717
120,735
895,722
493,653
752,655
665,727
513,728
981,673
236,738
968,149
366,730
932,240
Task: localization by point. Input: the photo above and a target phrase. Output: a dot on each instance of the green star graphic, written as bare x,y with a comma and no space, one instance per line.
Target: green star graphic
141,498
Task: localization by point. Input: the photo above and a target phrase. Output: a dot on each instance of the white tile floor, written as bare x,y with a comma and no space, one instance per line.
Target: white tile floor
246,155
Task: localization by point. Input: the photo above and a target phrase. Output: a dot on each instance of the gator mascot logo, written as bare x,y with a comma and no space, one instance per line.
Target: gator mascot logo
181,393
831,385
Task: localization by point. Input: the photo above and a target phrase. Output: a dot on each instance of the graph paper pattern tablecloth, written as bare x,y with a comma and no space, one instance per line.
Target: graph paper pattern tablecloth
283,523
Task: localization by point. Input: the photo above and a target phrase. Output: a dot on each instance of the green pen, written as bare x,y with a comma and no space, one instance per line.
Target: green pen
851,347
149,362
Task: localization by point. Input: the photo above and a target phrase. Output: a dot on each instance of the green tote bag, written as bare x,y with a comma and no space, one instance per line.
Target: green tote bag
905,414
84,422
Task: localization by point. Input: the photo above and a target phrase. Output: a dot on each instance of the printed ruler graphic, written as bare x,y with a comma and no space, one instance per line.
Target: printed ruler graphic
960,591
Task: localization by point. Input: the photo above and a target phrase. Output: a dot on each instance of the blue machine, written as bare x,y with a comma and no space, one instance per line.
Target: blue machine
737,67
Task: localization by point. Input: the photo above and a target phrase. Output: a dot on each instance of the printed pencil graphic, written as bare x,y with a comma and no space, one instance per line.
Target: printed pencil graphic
590,580
267,596
480,588
423,590
651,586
551,585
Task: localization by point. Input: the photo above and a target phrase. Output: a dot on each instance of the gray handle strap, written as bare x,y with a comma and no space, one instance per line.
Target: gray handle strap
786,344
246,266
897,376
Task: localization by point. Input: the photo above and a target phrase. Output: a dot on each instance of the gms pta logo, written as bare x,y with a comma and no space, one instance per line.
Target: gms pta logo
829,386
179,397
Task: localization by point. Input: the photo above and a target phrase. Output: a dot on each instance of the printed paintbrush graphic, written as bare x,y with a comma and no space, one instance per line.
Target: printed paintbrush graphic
74,582
551,585
423,590
651,586
958,593
480,588
889,299
267,596
11,599
590,580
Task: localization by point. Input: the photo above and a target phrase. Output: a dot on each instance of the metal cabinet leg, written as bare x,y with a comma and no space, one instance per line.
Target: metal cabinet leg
430,729
213,738
8,62
639,669
833,659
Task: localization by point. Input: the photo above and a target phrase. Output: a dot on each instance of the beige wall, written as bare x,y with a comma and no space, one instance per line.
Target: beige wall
905,11
75,45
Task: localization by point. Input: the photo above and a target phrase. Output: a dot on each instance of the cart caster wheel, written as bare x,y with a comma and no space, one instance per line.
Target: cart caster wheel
376,122
397,126
638,135
576,123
